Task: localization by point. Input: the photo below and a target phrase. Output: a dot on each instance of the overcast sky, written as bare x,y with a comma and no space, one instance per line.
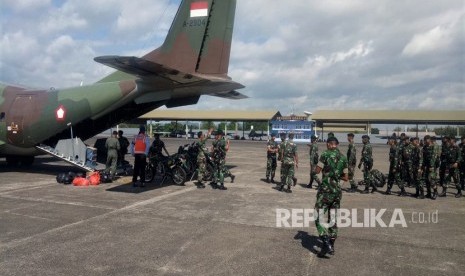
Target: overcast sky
291,55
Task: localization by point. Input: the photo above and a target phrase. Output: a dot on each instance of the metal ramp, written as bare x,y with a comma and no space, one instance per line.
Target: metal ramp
74,152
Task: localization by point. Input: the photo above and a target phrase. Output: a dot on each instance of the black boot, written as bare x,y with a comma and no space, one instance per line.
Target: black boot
435,194
294,179
267,179
222,187
331,242
388,191
366,191
422,194
232,178
458,194
417,193
288,189
428,193
444,192
281,187
374,189
402,192
326,248
309,185
272,178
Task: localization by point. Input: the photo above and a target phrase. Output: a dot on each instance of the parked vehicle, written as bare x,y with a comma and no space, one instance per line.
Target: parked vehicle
167,167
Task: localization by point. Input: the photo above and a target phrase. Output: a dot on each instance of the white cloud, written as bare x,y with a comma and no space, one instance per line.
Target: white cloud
25,6
437,39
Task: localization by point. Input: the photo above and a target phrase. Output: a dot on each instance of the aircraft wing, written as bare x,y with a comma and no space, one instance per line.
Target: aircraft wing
145,68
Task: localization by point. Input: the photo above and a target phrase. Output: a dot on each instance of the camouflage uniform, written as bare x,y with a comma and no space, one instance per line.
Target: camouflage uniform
288,165
271,163
313,154
417,166
201,159
430,158
408,163
352,162
394,170
113,147
443,164
333,165
219,159
367,161
462,163
453,158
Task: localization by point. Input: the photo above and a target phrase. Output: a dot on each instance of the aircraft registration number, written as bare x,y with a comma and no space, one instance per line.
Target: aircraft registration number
195,23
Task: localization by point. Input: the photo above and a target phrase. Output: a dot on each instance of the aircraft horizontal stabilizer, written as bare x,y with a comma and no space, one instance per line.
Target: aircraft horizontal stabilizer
234,95
144,68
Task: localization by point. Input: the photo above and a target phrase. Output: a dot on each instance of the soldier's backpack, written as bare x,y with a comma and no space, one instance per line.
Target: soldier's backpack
379,179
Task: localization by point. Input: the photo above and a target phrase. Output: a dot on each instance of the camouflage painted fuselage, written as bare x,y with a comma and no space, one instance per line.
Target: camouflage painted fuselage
193,61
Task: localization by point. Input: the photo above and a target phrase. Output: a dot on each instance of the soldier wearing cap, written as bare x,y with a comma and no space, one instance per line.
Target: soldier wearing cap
219,149
417,167
407,152
271,163
290,162
313,154
453,159
394,168
201,157
367,161
430,160
462,163
333,166
352,162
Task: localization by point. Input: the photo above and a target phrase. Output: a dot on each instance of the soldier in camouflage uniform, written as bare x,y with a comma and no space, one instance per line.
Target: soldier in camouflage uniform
219,149
113,147
281,147
442,166
201,157
313,154
290,162
394,169
400,165
352,162
367,161
271,151
453,159
407,161
333,166
462,163
430,160
417,166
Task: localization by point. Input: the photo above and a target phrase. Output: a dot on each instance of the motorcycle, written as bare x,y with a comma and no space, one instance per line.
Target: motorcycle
190,153
167,167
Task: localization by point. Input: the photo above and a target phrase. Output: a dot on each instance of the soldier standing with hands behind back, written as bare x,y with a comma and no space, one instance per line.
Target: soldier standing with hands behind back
352,161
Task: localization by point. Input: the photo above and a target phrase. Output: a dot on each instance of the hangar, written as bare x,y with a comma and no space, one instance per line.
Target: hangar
365,118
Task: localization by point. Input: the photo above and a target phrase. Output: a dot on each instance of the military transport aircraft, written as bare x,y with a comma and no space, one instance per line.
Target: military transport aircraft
192,61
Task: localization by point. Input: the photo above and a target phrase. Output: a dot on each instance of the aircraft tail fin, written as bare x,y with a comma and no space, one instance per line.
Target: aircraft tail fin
199,40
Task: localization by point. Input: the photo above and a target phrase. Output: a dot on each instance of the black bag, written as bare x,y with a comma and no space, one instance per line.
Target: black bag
379,179
61,177
69,177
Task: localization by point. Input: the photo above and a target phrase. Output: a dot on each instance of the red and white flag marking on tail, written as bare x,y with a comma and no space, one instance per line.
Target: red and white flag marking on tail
199,9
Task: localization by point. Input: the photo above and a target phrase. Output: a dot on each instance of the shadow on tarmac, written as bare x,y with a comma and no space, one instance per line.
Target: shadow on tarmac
308,242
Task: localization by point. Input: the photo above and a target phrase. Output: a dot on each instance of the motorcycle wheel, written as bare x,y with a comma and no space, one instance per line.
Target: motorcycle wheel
179,176
149,173
208,176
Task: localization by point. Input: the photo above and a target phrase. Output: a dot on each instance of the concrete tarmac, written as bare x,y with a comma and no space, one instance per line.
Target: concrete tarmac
48,228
